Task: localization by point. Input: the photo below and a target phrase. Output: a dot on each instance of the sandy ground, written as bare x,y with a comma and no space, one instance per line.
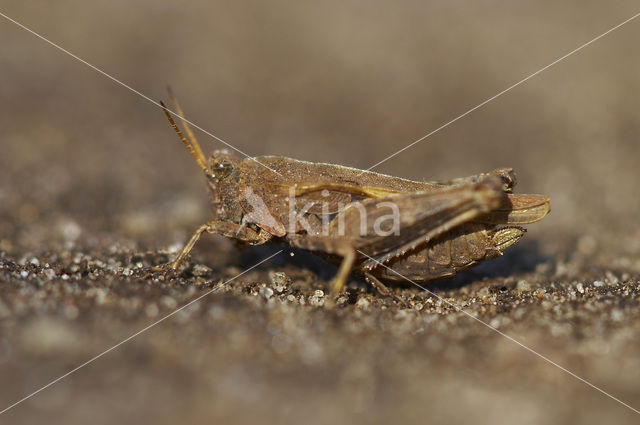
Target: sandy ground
94,187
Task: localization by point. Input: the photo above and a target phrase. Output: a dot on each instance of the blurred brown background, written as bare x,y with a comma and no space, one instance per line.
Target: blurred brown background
346,82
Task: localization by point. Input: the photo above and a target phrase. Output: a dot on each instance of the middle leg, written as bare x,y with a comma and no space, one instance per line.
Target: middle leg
329,245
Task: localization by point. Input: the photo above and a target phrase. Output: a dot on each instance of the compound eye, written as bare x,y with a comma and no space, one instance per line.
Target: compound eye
221,169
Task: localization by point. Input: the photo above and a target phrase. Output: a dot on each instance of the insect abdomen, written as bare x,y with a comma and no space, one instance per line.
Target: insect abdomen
446,256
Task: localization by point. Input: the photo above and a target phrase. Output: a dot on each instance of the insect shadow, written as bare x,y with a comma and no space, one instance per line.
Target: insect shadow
522,259
290,258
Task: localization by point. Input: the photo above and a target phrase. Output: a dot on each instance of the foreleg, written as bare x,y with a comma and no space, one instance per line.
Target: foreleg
230,230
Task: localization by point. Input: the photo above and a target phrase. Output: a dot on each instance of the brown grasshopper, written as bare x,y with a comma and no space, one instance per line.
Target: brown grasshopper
369,222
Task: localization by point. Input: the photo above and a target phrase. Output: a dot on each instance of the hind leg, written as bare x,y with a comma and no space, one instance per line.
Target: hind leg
382,289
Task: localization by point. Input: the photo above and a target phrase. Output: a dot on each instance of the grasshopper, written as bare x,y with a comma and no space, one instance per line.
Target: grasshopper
368,222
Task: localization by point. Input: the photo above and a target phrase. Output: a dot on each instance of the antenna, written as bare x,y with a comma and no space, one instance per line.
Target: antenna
185,124
197,154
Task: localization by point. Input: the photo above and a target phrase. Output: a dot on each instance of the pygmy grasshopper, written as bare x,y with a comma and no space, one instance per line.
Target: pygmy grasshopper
422,230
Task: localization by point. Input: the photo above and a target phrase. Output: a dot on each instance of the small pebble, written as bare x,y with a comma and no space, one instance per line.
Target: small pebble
363,303
266,292
200,270
316,301
279,279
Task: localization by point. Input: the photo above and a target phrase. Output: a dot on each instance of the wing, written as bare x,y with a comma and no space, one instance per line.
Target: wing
388,227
